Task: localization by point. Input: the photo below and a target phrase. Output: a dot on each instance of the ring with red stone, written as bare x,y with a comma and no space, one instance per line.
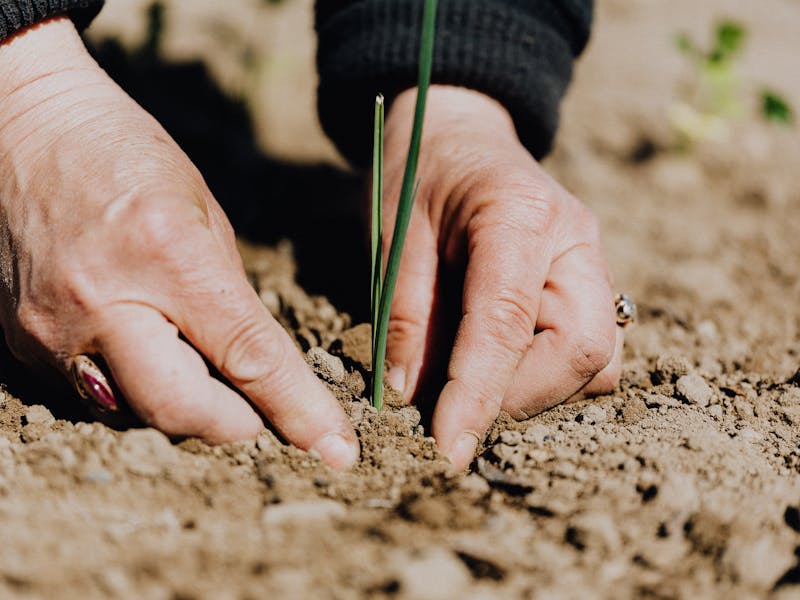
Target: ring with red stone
92,385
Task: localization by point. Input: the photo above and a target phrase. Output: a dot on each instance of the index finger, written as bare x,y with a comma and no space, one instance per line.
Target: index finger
222,316
509,257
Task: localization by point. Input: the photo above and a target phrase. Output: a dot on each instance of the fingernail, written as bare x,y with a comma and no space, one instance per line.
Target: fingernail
463,451
336,450
397,378
99,391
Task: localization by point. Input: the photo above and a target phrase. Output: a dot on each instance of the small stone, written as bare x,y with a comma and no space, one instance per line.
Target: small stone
302,512
536,434
694,390
38,414
436,574
750,435
511,438
474,484
326,311
98,475
633,411
272,301
146,452
502,451
743,408
670,367
411,416
330,368
355,343
758,563
715,411
593,415
707,331
594,530
266,440
659,400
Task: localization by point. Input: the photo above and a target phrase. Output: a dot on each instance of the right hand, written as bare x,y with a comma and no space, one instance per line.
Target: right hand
111,244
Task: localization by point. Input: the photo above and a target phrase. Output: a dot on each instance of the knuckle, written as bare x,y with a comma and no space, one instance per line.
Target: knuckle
254,353
159,234
405,327
590,355
509,319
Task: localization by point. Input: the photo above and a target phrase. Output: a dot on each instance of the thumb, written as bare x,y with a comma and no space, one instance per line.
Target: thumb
410,319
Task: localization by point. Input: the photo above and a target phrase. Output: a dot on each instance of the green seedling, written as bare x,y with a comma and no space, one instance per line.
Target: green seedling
382,286
715,99
775,109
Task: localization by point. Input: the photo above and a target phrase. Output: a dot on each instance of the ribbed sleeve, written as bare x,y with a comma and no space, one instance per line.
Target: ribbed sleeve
18,14
520,52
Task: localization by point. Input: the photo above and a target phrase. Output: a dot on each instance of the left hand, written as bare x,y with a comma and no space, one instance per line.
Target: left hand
535,324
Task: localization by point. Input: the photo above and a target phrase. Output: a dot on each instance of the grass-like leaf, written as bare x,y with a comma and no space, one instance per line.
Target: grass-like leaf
376,272
408,194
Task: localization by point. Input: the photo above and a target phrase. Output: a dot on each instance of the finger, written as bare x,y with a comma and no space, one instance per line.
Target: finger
409,338
576,339
500,305
605,381
224,319
166,382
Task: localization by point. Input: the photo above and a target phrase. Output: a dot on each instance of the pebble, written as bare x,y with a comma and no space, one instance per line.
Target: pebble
694,389
330,368
750,435
593,415
511,438
474,484
743,408
146,451
536,434
758,563
436,574
302,512
595,530
669,367
272,301
716,412
98,475
502,451
38,414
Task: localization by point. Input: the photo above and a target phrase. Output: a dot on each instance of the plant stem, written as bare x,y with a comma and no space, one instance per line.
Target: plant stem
408,194
376,280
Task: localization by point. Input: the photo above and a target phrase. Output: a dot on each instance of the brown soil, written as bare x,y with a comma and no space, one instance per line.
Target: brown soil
684,483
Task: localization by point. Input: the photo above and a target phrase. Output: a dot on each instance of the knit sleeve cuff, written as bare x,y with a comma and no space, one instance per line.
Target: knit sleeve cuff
16,15
519,56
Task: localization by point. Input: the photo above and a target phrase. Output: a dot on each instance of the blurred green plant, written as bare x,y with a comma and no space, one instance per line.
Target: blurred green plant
775,108
715,99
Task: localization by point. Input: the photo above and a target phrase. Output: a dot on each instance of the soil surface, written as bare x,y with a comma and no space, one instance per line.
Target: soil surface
683,483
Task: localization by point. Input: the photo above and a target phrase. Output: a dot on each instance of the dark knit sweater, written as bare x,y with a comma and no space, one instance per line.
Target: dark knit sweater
18,14
519,52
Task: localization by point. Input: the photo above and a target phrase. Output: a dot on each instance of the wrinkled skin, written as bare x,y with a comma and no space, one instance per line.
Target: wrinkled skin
112,244
530,259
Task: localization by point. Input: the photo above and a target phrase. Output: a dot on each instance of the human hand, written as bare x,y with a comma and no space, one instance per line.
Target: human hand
529,257
113,245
